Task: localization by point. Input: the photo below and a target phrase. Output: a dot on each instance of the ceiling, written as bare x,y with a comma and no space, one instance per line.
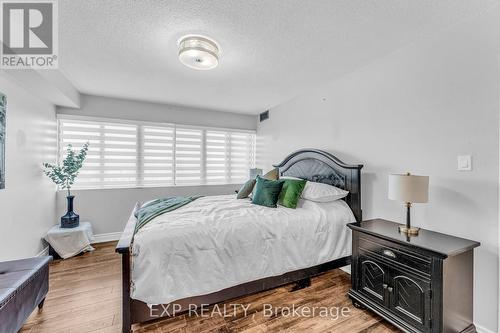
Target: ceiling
271,51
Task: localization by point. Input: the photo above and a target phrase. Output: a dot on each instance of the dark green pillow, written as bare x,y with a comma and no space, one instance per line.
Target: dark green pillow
246,189
290,193
267,192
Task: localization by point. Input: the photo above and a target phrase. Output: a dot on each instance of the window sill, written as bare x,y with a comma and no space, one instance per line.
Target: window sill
149,187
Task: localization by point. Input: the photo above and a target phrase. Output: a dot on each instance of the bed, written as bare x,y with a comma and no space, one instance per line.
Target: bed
223,247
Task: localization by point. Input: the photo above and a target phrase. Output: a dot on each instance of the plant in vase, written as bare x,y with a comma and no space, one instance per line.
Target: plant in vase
64,176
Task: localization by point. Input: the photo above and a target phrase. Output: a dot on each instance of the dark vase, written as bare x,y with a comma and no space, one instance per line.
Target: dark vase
70,219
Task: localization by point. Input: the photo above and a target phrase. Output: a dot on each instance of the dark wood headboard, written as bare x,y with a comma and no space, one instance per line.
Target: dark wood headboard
322,167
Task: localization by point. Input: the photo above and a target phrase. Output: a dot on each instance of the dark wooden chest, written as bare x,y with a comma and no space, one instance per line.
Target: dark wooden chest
421,283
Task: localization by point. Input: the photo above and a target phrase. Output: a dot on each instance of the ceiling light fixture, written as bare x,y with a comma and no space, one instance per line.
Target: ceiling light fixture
198,52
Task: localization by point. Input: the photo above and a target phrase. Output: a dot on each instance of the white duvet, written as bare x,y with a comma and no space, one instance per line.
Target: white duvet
218,242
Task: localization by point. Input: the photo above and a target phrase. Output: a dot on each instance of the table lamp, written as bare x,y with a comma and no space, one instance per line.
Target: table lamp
254,172
409,189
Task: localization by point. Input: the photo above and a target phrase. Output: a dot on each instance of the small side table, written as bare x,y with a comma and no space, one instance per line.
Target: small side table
68,242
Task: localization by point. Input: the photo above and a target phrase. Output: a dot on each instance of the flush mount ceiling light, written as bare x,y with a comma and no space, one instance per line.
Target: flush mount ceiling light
198,52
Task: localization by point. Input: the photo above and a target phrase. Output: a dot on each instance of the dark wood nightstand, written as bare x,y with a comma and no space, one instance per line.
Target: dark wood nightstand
421,283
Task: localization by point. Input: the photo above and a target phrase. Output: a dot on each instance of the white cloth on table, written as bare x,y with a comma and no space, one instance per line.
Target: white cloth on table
68,242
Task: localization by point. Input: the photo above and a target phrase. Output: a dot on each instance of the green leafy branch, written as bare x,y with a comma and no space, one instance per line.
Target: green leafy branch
64,175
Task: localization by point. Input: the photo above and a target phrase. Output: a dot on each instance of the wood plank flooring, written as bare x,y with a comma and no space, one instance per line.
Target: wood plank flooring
85,296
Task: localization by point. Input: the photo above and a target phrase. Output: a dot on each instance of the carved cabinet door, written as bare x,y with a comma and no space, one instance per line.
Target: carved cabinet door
373,277
410,298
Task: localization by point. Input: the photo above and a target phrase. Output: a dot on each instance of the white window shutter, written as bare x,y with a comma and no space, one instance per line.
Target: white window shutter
242,146
112,156
217,162
188,156
158,155
140,154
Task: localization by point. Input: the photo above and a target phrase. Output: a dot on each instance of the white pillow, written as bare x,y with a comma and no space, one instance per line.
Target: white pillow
320,192
288,177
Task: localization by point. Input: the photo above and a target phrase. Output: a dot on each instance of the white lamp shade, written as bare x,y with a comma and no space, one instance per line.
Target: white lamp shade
409,188
254,172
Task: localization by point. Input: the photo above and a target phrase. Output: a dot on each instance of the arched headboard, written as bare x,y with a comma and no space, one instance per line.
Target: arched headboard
322,167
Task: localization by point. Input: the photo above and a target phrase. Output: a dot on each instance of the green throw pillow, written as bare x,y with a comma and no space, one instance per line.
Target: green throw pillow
267,192
290,193
246,189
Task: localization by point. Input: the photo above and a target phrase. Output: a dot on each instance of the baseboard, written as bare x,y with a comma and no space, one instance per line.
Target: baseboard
109,237
44,252
346,269
481,329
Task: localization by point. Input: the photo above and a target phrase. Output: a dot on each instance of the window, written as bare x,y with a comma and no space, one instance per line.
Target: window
139,154
189,155
157,155
229,155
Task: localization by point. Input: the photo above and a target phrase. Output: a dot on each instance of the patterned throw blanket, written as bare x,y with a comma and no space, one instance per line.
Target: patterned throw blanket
155,208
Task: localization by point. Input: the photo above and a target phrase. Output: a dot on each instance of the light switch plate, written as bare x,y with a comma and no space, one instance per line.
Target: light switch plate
464,163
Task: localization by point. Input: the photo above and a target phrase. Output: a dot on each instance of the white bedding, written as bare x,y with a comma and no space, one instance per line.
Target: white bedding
218,242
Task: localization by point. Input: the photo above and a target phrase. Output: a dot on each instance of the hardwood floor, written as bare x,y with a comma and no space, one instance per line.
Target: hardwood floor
85,296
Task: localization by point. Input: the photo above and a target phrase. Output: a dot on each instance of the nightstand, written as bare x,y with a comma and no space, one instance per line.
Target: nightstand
420,283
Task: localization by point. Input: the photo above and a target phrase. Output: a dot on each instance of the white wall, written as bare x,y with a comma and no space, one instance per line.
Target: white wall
97,106
27,204
415,110
109,209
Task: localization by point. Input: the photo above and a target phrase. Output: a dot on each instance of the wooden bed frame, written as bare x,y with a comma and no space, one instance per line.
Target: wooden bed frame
311,164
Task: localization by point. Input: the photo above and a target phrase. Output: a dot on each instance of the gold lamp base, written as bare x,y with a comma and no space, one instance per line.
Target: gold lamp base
412,231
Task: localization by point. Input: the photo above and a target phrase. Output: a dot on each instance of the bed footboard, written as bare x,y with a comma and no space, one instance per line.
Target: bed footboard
123,247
